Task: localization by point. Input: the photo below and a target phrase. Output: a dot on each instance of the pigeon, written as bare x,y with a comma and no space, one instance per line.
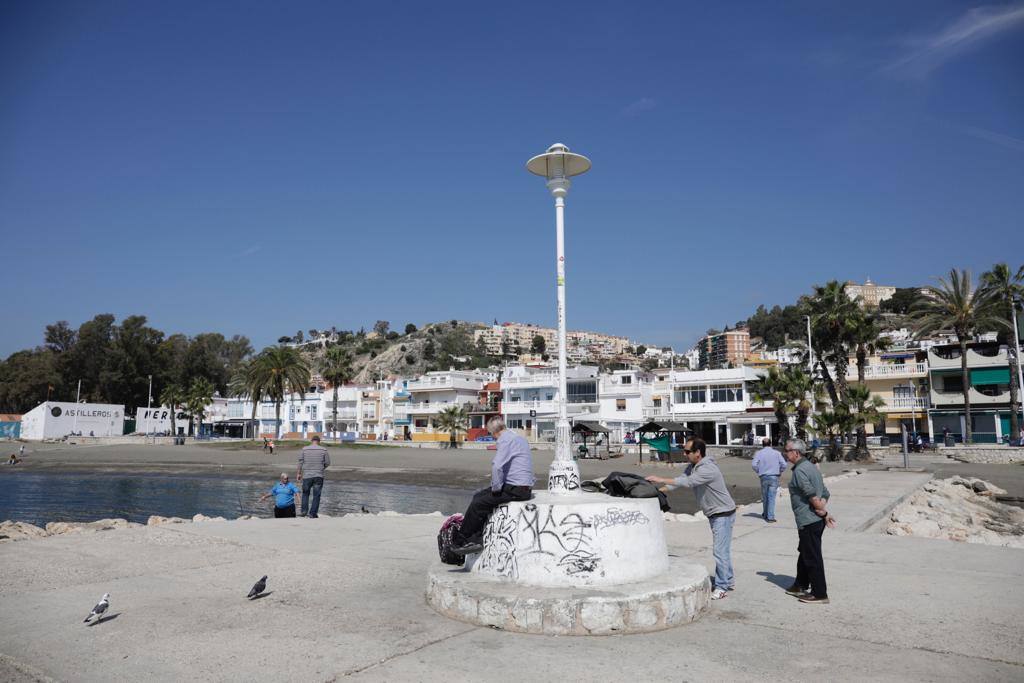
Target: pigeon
364,510
260,586
100,609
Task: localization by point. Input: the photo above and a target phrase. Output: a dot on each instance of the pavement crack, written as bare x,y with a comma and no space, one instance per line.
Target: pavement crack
414,650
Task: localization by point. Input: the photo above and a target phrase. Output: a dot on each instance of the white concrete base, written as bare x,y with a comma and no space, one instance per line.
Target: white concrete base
675,597
574,540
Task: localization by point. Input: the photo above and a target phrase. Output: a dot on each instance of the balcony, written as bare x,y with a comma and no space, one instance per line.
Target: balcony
651,413
446,382
907,403
423,408
619,389
524,407
547,378
890,371
343,413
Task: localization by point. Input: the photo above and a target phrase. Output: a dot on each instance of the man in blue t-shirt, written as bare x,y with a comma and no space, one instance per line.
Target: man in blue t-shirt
284,493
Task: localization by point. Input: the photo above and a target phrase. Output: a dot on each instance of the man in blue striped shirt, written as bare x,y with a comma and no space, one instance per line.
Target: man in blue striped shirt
511,479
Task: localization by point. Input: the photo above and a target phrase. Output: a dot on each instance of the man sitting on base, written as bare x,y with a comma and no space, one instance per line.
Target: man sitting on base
511,479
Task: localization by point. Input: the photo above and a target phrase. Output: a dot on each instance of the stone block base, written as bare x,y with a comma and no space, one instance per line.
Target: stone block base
676,597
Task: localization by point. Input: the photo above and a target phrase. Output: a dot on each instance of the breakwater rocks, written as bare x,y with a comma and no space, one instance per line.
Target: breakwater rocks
995,455
959,509
20,531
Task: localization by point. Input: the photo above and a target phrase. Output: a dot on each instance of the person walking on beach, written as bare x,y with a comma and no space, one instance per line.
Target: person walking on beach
511,479
284,493
809,498
769,465
703,476
313,462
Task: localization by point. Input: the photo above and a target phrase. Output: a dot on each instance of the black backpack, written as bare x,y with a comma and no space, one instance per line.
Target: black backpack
627,485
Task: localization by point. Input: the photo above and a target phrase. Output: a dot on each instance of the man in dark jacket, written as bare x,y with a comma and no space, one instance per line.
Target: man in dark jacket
809,498
313,463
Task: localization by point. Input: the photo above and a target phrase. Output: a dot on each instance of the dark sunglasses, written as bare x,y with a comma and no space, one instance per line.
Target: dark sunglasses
689,452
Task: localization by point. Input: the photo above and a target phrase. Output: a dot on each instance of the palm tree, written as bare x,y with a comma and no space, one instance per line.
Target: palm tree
830,309
336,368
863,333
833,424
801,390
774,387
277,372
454,419
956,304
862,407
200,394
242,385
172,396
1007,291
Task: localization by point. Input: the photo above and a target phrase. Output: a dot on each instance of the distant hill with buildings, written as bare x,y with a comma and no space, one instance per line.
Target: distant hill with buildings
459,344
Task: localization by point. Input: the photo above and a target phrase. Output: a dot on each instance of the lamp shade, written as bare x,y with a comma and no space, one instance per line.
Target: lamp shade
558,162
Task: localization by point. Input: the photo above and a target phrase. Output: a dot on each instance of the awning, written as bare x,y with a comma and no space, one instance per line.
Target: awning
663,426
589,428
888,356
990,376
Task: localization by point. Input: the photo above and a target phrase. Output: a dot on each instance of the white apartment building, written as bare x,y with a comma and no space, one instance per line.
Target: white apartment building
530,395
420,400
715,404
622,397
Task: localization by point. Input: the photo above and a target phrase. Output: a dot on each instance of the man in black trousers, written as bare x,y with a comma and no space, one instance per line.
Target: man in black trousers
809,498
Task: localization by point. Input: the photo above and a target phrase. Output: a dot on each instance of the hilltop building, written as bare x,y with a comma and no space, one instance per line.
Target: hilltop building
869,295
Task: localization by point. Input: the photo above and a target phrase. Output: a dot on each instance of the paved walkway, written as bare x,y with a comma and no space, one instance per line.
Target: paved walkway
346,601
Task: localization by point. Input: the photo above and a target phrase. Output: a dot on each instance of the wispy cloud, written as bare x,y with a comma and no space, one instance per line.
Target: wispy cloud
926,53
640,106
1004,141
249,251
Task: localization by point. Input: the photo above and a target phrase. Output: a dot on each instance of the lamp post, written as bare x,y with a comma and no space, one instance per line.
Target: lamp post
810,366
558,164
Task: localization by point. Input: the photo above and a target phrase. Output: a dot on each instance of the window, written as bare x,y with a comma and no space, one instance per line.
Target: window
726,393
692,395
583,392
657,403
953,383
514,423
312,412
620,404
421,423
627,379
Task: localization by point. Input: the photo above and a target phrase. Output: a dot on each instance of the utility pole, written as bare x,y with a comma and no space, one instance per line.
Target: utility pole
149,405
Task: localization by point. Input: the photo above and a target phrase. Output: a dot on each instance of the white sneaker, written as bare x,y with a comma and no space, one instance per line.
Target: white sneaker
718,594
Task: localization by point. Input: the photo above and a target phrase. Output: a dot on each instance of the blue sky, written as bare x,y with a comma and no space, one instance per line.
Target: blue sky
258,168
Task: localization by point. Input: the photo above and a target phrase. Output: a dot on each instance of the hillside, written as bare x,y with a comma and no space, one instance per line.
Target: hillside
437,346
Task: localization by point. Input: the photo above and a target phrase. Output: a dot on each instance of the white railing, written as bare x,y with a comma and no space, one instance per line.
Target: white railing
445,383
655,412
427,407
343,413
538,378
907,402
887,370
523,407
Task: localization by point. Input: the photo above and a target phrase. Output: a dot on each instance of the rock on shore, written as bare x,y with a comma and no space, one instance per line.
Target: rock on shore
959,509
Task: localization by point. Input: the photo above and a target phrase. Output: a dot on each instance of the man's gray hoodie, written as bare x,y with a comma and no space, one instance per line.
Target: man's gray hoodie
708,486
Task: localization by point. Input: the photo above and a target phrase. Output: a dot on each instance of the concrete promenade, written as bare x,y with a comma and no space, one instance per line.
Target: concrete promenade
345,600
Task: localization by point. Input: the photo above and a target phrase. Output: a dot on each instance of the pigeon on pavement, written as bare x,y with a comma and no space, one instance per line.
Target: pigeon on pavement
260,586
100,609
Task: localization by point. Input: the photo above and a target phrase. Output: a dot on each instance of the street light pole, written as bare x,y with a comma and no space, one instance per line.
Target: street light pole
558,164
1016,354
810,366
149,405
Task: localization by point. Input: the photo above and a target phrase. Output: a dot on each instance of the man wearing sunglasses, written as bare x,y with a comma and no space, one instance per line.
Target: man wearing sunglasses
809,498
703,476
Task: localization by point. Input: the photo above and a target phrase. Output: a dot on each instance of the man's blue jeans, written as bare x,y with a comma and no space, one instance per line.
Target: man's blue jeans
721,534
314,484
769,492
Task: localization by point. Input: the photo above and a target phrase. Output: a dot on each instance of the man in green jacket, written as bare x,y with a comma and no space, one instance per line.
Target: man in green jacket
809,497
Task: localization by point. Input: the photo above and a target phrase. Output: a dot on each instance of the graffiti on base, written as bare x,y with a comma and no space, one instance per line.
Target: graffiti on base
618,517
569,539
568,479
499,553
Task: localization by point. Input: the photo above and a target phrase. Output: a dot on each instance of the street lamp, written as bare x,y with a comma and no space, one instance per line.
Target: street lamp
810,366
558,164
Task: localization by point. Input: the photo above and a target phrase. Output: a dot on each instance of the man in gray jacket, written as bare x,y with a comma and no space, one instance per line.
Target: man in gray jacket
313,461
703,476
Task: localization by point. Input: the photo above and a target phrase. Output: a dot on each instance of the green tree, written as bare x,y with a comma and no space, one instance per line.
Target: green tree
1006,290
199,395
26,378
863,333
279,371
336,367
902,302
173,396
774,388
955,304
641,350
409,328
830,309
381,327
538,346
862,408
455,420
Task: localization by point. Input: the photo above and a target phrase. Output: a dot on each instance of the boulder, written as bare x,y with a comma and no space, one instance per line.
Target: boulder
203,518
157,519
57,528
20,531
